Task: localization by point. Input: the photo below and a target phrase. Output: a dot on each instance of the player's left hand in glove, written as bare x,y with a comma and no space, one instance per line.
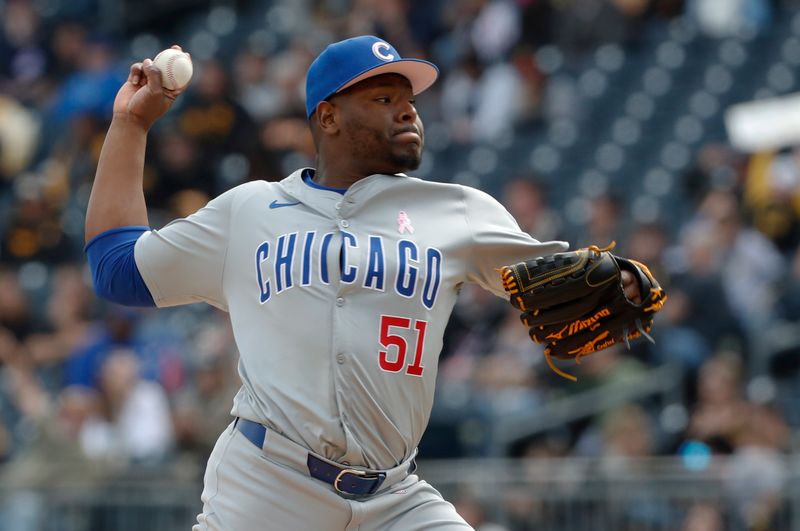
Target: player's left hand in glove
575,302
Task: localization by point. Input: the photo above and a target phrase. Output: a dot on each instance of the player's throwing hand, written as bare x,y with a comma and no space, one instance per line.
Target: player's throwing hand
142,98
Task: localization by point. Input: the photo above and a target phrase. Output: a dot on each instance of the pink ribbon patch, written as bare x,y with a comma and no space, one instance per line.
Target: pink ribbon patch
404,223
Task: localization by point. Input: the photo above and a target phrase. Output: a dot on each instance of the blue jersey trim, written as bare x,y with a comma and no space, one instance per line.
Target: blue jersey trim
307,178
114,272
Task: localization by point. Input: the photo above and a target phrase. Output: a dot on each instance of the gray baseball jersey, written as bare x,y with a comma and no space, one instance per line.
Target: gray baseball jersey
338,302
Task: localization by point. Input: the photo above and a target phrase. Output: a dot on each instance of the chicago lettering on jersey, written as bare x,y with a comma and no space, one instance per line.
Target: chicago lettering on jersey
302,259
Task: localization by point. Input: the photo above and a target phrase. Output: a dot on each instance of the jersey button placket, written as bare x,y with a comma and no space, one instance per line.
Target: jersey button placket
342,336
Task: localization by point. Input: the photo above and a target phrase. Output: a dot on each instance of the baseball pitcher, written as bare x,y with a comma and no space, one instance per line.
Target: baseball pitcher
339,281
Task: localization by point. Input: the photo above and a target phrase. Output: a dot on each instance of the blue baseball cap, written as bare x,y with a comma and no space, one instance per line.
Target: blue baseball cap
345,63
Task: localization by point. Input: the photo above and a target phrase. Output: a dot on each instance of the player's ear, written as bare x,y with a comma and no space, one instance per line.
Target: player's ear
327,118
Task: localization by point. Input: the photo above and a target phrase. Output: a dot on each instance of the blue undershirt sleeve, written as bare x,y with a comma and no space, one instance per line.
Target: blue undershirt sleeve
114,272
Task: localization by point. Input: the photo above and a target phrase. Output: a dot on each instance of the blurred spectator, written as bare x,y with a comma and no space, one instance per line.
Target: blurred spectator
388,18
507,383
612,367
224,134
772,195
282,137
531,93
627,434
51,452
65,325
487,369
582,25
749,264
628,439
647,243
67,44
16,314
259,97
116,331
287,71
686,335
454,44
71,163
604,224
724,420
623,434
495,30
202,408
136,427
479,101
5,442
715,166
756,480
536,20
703,517
756,477
788,303
784,349
471,510
177,166
92,87
527,202
719,412
35,231
426,21
19,132
753,433
678,338
730,18
23,56
271,90
471,331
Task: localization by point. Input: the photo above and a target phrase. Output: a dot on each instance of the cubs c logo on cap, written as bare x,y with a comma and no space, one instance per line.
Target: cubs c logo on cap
380,45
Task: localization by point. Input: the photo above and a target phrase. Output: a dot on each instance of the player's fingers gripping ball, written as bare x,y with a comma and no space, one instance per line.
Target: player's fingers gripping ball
176,68
575,304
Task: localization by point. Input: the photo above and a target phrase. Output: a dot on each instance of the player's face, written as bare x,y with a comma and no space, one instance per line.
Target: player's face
380,124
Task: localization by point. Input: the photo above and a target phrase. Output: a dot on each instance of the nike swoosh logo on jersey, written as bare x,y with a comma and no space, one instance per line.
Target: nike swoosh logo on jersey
275,204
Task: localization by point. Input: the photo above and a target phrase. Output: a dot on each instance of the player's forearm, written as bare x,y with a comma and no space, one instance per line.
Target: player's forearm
117,198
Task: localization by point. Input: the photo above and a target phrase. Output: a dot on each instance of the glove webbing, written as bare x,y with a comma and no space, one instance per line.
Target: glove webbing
659,297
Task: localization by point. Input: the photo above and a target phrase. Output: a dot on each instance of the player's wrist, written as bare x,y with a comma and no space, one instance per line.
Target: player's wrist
131,122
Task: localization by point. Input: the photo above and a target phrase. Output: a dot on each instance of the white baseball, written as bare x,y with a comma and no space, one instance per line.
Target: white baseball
176,68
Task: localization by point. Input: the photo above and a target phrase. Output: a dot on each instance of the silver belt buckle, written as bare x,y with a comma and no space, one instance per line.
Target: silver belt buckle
353,471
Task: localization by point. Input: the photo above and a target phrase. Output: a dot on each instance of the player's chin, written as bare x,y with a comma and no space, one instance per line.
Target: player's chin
409,163
408,159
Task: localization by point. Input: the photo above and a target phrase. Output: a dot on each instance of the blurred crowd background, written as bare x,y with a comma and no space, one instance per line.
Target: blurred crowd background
591,120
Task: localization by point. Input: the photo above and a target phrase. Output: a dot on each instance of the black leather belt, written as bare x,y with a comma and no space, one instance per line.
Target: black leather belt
345,480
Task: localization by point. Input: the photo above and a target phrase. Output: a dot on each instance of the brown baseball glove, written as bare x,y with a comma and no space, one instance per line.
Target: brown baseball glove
574,302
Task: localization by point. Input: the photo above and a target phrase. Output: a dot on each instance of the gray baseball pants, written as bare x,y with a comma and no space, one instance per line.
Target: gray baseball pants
252,489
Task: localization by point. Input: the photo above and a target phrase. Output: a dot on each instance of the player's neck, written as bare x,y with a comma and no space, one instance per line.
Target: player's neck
336,177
